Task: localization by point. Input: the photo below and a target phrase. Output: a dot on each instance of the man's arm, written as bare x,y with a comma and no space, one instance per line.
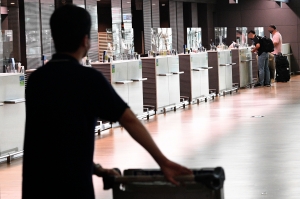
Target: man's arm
276,40
140,134
257,46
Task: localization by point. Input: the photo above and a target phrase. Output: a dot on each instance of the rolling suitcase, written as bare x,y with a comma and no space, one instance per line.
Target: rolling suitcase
282,69
150,184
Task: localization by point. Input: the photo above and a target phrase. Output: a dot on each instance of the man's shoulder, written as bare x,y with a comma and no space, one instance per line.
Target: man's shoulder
257,39
91,72
75,69
277,34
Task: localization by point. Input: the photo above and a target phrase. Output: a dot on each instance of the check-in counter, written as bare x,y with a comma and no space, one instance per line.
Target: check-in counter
255,67
12,86
242,72
162,89
12,115
126,78
194,83
220,76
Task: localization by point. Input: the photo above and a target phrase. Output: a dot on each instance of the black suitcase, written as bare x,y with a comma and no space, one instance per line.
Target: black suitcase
282,69
206,183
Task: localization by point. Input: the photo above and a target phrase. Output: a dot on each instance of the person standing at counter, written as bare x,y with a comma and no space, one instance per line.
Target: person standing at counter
63,101
277,41
263,60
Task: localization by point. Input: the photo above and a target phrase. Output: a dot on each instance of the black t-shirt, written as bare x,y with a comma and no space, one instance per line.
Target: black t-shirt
63,101
257,40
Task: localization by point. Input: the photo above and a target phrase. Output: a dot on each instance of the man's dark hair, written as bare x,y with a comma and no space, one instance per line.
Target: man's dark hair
251,31
272,26
69,25
239,32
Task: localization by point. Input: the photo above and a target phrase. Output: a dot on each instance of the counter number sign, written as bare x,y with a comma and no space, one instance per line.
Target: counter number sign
113,70
140,65
22,81
156,62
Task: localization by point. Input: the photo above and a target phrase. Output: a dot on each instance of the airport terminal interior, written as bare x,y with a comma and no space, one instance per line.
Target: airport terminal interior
187,70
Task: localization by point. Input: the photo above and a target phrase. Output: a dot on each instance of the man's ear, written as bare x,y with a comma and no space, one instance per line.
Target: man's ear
86,41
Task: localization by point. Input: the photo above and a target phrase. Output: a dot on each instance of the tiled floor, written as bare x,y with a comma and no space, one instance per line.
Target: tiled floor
260,155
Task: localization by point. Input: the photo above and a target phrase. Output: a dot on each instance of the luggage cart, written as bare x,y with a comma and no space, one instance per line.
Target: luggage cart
205,183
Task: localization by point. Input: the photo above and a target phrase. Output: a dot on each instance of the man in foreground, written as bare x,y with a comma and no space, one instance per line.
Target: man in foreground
63,101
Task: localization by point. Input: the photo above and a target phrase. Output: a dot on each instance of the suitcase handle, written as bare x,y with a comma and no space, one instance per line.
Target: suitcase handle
212,178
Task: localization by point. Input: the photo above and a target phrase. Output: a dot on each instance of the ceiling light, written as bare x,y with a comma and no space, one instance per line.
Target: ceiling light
163,4
128,2
153,4
12,3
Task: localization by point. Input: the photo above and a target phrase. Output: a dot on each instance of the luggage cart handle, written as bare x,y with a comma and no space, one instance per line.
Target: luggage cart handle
213,178
131,179
287,54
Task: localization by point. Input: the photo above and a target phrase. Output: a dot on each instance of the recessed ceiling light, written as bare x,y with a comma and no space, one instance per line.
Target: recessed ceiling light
12,3
153,4
163,4
128,2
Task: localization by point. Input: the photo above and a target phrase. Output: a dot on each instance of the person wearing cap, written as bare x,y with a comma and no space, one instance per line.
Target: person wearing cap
277,41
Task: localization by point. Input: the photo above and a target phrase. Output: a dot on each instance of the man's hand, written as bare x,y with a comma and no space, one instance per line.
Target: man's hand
171,170
142,136
102,172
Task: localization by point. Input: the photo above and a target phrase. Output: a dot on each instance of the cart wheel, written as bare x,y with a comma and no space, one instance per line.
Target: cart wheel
230,92
198,101
183,106
174,108
99,132
213,97
205,99
148,117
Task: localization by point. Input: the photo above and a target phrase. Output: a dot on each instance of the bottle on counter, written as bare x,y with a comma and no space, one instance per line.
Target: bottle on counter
104,55
11,65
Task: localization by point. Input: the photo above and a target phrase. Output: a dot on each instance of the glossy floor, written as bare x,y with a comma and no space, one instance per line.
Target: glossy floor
260,155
